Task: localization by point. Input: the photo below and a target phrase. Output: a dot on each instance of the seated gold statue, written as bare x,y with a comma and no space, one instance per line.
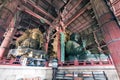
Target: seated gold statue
30,39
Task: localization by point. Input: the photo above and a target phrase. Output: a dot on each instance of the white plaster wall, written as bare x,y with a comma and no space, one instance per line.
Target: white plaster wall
20,72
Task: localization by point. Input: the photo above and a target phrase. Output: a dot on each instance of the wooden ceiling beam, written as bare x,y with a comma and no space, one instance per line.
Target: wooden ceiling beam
30,24
81,11
72,9
81,25
46,2
82,21
92,23
40,9
30,12
75,17
68,3
84,26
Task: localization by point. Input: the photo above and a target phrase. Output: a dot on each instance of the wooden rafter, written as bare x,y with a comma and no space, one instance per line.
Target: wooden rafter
40,9
82,25
77,15
72,9
86,26
25,9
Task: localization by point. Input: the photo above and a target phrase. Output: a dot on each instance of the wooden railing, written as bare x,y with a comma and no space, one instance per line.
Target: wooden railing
5,61
86,63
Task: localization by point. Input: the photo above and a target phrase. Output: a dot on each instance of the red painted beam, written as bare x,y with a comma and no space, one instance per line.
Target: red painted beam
116,7
72,9
81,12
34,14
77,15
68,3
114,1
40,9
58,48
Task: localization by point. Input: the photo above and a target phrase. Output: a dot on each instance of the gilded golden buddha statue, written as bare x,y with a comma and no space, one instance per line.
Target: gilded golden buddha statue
30,39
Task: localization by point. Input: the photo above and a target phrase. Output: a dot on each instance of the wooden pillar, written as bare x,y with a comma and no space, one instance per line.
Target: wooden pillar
8,37
46,47
7,21
57,44
47,40
59,50
110,29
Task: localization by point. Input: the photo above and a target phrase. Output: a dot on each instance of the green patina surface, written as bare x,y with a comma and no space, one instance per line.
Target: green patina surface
62,38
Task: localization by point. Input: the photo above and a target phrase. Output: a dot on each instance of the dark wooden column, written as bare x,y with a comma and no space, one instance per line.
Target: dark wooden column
110,28
7,21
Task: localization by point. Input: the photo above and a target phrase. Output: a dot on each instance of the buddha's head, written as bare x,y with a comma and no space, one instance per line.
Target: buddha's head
75,37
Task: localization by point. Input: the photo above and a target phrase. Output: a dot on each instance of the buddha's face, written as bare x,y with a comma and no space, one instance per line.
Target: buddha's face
75,37
35,35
